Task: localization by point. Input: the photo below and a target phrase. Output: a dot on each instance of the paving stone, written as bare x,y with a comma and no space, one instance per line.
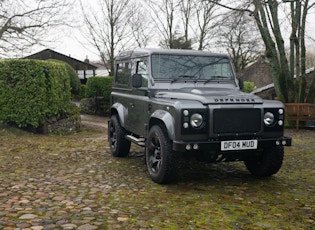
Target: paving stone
87,227
37,227
2,213
62,222
47,222
87,209
23,225
28,216
69,226
59,198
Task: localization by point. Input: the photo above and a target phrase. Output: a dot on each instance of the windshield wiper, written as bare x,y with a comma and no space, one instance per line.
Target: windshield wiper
182,77
217,77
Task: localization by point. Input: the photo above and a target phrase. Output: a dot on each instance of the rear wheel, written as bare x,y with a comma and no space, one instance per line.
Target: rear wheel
266,164
161,160
119,145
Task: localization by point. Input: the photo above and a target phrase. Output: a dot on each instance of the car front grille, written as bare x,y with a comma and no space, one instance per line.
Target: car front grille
231,121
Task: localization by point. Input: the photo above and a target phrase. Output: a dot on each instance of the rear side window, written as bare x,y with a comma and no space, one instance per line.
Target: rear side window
123,71
142,68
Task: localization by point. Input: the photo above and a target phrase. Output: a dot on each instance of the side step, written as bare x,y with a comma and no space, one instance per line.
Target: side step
138,141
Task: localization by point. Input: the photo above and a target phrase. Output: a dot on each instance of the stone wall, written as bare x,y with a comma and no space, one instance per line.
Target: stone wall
94,106
63,126
259,73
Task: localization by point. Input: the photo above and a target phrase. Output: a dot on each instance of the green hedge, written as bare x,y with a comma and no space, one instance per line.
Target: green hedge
99,88
74,79
31,91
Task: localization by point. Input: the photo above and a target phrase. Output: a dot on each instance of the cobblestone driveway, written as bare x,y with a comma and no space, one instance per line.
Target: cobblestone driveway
72,182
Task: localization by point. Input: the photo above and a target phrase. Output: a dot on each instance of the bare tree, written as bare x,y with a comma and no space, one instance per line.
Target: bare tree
187,12
196,17
164,13
108,28
266,15
140,25
239,35
24,23
206,22
299,10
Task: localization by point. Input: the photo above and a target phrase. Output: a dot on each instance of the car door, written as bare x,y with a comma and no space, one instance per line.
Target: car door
138,104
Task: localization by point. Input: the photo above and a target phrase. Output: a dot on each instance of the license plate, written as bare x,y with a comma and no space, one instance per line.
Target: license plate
238,145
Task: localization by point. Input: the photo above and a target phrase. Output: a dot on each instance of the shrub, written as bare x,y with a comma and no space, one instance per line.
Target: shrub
32,91
99,88
82,93
74,79
249,86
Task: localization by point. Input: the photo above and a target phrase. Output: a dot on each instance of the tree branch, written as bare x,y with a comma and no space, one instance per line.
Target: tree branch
229,7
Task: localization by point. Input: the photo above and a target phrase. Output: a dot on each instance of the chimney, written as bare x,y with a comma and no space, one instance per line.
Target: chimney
87,60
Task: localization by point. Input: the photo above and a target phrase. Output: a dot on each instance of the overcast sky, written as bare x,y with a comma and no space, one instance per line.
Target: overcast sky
71,41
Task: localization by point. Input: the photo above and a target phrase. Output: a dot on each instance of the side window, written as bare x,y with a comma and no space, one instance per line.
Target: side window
142,68
123,73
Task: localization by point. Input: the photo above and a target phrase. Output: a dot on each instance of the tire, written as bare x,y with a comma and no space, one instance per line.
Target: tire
266,164
119,145
161,160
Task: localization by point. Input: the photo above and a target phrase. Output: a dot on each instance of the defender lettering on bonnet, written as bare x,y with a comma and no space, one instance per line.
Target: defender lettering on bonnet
184,102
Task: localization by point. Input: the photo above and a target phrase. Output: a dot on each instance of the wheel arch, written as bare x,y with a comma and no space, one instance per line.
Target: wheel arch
162,117
119,110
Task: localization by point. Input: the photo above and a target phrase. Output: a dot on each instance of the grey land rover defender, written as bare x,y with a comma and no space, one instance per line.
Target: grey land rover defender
177,102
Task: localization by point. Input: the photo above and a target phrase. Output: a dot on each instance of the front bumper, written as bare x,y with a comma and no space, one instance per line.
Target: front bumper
180,146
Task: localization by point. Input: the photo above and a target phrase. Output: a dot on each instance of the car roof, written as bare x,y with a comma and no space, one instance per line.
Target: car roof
142,52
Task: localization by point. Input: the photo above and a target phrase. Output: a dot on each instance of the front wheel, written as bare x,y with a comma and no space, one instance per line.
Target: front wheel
266,164
161,160
119,145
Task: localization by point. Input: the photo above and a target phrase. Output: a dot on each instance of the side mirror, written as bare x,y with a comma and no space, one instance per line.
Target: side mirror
241,83
136,80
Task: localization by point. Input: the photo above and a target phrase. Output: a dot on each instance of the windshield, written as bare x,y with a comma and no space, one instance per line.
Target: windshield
176,67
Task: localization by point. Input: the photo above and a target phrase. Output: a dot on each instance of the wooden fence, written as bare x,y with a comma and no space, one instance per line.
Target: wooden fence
299,112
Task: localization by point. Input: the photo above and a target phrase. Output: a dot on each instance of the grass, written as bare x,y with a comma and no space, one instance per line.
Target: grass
120,194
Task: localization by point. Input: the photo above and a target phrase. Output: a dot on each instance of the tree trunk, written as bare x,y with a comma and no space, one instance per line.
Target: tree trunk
288,88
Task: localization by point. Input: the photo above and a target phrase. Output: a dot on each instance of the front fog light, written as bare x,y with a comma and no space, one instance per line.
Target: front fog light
196,120
269,119
195,146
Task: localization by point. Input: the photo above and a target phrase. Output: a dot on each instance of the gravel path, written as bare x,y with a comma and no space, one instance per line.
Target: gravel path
94,122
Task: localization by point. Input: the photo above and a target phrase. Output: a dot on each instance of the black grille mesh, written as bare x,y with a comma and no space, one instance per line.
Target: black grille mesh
236,120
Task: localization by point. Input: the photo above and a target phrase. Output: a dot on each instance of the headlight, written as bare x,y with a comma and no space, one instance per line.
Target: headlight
269,119
196,120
